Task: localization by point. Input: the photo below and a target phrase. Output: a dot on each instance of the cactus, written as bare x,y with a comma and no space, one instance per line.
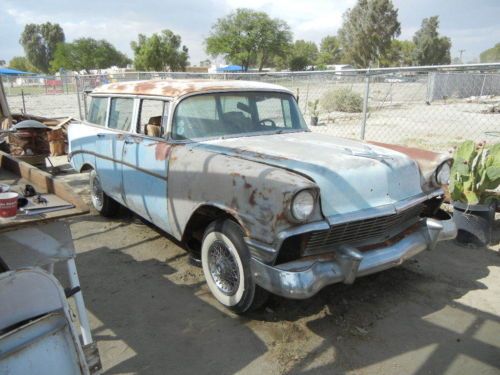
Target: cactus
475,175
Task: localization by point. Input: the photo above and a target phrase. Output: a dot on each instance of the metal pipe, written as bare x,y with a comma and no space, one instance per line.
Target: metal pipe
78,96
80,304
365,105
426,68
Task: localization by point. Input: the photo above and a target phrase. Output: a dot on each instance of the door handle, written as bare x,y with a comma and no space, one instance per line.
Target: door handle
101,135
128,141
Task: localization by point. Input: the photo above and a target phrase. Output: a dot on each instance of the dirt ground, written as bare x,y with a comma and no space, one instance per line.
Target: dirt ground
151,312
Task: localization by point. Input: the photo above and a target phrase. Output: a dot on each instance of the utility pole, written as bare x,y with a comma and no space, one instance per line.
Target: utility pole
461,51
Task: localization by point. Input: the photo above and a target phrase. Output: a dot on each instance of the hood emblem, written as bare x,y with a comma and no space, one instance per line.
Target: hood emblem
370,154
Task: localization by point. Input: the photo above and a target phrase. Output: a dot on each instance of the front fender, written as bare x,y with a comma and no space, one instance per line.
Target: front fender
427,161
256,194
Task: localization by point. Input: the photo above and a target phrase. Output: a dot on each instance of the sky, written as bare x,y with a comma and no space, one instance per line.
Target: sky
473,26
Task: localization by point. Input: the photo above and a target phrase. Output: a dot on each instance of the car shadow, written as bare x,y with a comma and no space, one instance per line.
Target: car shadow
166,327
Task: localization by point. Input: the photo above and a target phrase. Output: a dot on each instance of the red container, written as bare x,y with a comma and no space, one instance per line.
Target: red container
8,204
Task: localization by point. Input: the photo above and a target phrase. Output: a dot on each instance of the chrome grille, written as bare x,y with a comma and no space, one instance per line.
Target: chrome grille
367,231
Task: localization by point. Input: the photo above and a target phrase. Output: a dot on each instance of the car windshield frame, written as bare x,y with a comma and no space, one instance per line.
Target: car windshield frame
298,123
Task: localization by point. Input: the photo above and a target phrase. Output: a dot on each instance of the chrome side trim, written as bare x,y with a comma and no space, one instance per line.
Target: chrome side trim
101,156
305,277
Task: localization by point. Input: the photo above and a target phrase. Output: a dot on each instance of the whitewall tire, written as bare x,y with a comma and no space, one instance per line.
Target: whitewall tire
225,260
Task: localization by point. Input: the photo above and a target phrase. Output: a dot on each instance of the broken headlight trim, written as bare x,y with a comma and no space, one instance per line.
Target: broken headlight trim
442,174
303,205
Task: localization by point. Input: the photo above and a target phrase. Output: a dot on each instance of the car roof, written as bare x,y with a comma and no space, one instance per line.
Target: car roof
176,88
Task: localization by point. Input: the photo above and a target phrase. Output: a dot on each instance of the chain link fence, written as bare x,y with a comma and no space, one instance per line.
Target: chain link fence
426,107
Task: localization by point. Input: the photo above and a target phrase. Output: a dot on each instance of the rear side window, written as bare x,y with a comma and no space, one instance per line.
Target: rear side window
120,113
153,115
97,111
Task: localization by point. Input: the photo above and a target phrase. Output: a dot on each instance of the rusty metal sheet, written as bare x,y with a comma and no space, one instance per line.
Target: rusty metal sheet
179,87
256,194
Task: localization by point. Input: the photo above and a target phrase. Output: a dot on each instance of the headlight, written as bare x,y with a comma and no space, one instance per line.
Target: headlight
302,205
443,174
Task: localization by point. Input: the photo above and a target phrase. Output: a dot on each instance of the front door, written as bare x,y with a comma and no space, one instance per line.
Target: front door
145,164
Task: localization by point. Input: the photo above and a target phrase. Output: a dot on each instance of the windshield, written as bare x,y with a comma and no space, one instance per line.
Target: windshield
226,114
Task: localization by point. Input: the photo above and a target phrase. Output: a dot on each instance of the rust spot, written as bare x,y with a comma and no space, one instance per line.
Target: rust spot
426,160
180,87
234,204
162,150
414,153
281,217
251,199
247,185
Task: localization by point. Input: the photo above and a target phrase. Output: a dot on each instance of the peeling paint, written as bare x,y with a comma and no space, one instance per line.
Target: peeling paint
162,150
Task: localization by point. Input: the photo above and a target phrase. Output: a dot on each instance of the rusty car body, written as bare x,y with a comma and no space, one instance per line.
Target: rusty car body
311,209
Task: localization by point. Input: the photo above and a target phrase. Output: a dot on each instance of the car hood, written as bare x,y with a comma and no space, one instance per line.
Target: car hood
351,175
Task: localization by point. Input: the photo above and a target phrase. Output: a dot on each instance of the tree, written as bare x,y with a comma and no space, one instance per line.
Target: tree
40,42
247,37
329,51
490,55
22,63
430,48
160,52
367,31
302,55
86,54
400,53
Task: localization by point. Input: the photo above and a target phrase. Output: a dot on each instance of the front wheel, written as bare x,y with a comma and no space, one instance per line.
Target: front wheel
225,260
103,204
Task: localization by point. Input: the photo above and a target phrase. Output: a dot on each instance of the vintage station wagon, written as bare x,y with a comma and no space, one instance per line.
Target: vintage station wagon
230,169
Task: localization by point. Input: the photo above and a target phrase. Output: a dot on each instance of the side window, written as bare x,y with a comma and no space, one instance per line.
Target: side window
153,117
97,111
120,113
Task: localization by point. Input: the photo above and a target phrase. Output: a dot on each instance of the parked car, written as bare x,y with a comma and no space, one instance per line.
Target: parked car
230,169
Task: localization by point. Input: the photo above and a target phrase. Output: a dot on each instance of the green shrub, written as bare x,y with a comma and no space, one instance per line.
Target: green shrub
475,173
342,100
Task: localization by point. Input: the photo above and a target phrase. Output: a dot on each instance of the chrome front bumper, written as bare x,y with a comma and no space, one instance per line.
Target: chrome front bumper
305,277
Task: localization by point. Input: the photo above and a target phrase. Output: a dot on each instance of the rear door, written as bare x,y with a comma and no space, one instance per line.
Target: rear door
110,146
145,163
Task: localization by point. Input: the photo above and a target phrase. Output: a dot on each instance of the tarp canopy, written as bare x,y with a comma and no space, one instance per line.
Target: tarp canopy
12,72
230,68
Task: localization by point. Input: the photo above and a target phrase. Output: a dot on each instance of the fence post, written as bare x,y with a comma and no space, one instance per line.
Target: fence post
365,104
77,84
482,86
24,103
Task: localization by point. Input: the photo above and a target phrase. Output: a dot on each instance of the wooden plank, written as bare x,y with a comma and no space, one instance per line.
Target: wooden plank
41,180
15,172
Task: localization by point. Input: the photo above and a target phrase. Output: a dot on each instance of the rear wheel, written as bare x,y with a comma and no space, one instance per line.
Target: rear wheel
225,260
103,204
